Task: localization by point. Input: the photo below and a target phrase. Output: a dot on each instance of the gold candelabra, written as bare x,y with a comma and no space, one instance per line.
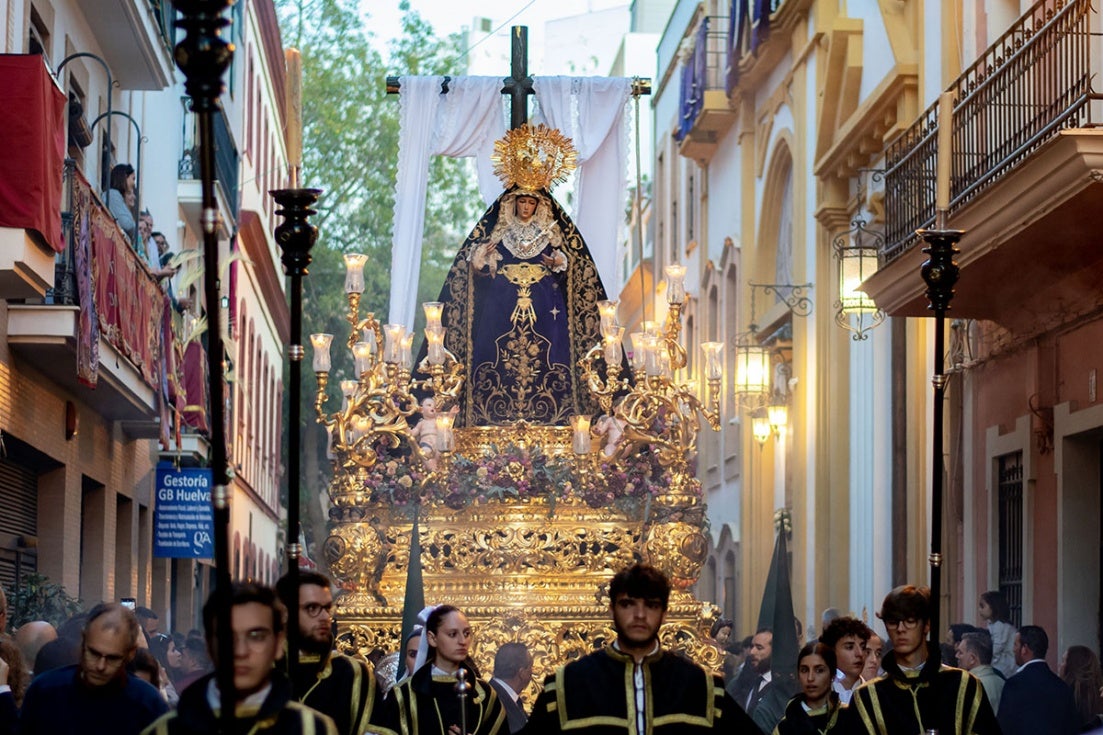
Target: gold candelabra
653,409
378,404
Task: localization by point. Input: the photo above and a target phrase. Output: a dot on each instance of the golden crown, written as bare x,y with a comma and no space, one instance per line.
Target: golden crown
534,157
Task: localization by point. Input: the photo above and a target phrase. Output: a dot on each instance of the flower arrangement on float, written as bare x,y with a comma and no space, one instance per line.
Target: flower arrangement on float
514,473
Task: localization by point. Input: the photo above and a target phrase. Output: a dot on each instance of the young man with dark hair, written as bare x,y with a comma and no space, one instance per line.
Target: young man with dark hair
1035,701
336,685
264,703
848,637
917,693
96,695
633,685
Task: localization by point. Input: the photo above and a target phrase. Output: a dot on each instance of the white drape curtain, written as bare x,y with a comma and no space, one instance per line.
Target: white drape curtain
591,111
467,121
464,122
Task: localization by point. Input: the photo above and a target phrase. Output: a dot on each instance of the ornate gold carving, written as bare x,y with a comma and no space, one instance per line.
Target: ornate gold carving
534,157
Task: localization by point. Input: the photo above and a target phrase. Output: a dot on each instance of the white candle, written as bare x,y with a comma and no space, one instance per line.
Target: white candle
945,148
433,311
445,442
675,283
714,368
321,343
354,272
435,338
392,342
361,355
581,439
293,87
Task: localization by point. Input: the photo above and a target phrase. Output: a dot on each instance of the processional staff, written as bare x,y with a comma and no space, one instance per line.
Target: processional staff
204,56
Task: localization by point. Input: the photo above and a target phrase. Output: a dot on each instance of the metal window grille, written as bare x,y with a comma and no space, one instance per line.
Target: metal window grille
1011,533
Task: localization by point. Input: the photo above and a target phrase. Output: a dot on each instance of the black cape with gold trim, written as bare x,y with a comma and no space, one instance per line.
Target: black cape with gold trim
518,368
595,695
424,704
942,698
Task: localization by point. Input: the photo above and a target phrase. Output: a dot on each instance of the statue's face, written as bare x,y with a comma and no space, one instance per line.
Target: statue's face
526,207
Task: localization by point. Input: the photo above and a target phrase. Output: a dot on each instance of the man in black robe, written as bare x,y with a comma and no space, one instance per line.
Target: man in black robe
633,685
918,693
336,685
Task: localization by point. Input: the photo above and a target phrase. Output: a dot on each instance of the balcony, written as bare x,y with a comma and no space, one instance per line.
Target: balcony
758,41
99,333
30,177
135,37
706,114
1025,170
226,164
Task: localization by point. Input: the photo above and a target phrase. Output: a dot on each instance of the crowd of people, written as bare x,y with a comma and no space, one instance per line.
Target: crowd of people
112,670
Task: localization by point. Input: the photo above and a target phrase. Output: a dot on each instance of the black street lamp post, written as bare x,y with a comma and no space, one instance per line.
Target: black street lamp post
940,273
204,56
295,236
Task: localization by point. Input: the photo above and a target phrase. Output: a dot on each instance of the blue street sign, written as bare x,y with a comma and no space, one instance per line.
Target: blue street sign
183,520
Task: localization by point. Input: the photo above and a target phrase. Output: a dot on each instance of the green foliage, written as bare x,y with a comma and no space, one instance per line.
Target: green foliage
350,151
40,599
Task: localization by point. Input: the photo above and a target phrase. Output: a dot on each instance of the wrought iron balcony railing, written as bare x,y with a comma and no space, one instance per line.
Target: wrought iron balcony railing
226,160
703,71
1033,82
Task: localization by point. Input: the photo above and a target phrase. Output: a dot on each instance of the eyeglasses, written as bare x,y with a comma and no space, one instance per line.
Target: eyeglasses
254,638
906,623
313,609
111,659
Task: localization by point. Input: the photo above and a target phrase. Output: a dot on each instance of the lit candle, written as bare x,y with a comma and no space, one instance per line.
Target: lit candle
608,312
581,441
367,334
433,311
651,357
348,390
293,87
714,368
361,355
612,344
445,441
406,356
664,360
321,343
435,338
639,339
392,341
354,272
945,148
675,283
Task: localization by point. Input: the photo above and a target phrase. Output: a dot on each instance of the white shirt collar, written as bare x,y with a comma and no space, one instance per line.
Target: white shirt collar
509,690
1028,663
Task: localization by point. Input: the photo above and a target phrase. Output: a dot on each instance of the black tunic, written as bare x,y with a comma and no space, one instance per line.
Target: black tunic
596,694
277,715
428,705
336,685
833,717
938,697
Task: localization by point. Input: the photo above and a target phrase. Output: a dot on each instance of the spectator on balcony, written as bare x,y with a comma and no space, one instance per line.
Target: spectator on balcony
168,271
121,198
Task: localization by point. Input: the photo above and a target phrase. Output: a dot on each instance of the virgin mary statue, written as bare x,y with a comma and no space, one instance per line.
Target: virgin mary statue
520,300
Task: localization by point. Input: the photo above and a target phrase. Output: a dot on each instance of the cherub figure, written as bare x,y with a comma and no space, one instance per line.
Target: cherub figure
611,429
425,431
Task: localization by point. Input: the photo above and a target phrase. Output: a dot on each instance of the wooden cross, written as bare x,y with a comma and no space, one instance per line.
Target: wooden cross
518,85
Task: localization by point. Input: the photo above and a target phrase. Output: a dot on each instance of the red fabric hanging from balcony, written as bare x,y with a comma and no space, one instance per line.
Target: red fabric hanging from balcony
32,116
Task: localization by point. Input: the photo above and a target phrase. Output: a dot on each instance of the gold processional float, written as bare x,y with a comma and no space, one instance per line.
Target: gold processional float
521,526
